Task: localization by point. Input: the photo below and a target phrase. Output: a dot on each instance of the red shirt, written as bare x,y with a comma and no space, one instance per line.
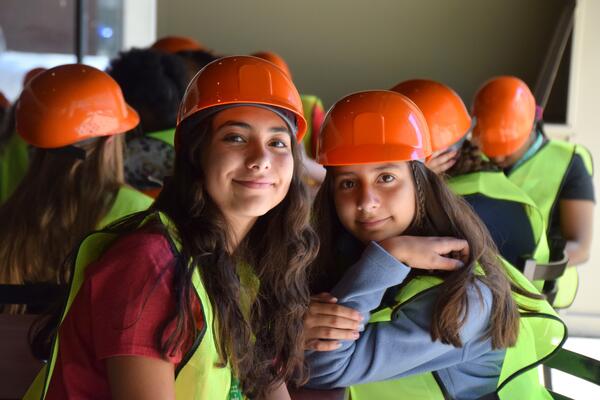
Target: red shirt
124,301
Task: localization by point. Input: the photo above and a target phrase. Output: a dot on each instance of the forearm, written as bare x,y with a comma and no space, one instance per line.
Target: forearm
577,252
364,283
401,347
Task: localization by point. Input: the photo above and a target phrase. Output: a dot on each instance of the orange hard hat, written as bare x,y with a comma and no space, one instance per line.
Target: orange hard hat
241,80
504,111
71,103
32,73
275,59
175,44
373,127
446,115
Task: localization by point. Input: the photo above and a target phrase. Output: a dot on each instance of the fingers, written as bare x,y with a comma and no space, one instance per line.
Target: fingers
334,310
322,345
447,165
447,245
445,263
324,298
325,332
442,162
330,321
444,253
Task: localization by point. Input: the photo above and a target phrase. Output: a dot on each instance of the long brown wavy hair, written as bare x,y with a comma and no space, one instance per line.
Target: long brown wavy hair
266,346
439,212
60,200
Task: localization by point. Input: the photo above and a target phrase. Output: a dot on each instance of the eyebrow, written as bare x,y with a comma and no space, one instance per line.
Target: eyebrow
338,174
387,166
381,168
243,125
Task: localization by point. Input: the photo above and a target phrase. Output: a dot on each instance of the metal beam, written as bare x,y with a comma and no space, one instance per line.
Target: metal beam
564,28
81,30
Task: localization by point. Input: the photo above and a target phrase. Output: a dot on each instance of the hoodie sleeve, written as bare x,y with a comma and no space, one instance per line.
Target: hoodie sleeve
396,348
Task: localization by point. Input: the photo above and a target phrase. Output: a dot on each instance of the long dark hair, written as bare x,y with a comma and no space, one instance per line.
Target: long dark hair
265,347
60,200
439,212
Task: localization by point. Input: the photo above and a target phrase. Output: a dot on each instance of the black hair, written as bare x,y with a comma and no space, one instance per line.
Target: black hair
195,60
153,83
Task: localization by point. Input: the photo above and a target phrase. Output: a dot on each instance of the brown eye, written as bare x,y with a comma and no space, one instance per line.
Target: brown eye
233,137
347,184
280,144
387,178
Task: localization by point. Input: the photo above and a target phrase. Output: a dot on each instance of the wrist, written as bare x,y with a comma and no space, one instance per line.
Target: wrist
395,247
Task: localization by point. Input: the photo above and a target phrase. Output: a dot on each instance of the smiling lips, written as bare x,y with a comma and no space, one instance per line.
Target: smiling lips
255,184
372,223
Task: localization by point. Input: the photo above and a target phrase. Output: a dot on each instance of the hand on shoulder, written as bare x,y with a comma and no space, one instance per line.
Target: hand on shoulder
428,252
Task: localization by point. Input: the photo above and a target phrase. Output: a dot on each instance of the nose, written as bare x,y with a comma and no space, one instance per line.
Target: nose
258,158
368,200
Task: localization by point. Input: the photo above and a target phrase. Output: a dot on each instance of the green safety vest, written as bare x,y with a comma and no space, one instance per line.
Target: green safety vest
167,136
197,377
14,160
541,177
309,102
496,185
541,333
128,201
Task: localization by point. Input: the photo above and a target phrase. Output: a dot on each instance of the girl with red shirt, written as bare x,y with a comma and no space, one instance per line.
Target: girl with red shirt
203,295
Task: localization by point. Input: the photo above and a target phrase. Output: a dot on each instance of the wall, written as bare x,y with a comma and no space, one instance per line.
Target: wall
338,46
583,318
335,47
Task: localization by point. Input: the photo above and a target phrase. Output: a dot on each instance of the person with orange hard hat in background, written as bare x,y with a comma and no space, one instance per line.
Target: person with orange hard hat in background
14,156
193,53
153,83
175,44
511,216
556,174
173,302
314,114
72,116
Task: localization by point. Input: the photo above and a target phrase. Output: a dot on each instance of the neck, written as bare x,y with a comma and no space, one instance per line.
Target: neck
238,228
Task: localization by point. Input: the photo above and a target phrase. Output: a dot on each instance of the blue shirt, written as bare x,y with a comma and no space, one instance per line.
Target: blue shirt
403,346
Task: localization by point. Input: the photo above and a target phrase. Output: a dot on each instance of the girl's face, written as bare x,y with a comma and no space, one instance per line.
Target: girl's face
249,163
374,201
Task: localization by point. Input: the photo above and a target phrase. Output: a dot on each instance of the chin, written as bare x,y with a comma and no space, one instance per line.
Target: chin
255,211
371,237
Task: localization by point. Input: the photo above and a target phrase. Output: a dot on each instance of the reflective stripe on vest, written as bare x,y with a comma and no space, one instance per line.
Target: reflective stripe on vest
309,102
198,376
541,177
541,333
167,136
14,161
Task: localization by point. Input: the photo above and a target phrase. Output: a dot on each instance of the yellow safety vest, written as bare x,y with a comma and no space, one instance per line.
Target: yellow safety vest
541,177
495,185
167,136
541,333
197,377
14,161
